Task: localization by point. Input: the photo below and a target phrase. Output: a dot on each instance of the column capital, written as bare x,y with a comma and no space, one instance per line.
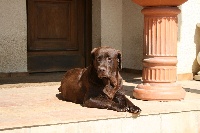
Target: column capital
161,11
146,3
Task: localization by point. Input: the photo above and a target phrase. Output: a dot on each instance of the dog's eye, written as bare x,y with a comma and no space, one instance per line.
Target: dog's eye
109,59
98,60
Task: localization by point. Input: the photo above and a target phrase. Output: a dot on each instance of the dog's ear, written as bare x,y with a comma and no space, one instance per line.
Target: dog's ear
119,56
92,53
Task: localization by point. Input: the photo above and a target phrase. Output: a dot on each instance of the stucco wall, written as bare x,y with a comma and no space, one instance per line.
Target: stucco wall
119,24
132,35
111,23
96,23
107,23
13,36
189,37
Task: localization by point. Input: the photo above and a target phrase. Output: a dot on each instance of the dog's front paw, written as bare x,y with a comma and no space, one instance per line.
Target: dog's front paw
121,109
134,109
118,107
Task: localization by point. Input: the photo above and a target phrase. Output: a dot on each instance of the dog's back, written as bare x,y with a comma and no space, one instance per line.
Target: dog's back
71,86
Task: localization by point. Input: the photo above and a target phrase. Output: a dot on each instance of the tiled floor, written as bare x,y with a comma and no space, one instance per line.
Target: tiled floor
35,100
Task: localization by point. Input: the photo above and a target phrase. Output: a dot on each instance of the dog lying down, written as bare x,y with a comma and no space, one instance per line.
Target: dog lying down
99,85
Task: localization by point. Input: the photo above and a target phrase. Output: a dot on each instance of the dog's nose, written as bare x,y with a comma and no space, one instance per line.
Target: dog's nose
102,69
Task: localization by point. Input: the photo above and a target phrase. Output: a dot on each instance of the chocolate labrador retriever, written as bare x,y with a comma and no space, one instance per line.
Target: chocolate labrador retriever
99,85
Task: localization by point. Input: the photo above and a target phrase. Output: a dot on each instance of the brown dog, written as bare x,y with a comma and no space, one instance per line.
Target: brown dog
99,85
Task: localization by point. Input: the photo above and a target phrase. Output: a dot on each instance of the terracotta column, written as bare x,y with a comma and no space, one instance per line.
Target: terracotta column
159,52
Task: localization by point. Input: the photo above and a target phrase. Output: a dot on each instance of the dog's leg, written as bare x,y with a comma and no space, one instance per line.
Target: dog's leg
104,103
130,107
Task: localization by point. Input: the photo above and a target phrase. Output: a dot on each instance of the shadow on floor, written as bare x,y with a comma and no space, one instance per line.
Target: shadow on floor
33,78
192,90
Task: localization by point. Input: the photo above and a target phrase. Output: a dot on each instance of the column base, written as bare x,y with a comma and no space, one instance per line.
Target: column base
159,91
197,77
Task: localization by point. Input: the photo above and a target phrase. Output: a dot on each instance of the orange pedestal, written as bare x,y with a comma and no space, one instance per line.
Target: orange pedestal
160,55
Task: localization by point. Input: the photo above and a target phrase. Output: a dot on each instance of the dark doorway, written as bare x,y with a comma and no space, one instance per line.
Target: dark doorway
59,34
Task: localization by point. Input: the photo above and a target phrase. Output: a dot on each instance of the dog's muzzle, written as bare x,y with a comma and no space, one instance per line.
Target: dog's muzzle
102,72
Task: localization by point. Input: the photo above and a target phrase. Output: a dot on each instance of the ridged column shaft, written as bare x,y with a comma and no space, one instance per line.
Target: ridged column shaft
160,55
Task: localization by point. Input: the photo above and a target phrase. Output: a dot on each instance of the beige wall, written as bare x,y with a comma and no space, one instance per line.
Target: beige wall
13,36
119,24
107,23
96,23
132,35
111,23
189,37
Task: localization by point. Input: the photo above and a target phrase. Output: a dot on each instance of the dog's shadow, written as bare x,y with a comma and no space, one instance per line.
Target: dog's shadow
129,91
59,96
129,86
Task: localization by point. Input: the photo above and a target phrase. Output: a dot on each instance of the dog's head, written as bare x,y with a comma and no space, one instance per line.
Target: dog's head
106,61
